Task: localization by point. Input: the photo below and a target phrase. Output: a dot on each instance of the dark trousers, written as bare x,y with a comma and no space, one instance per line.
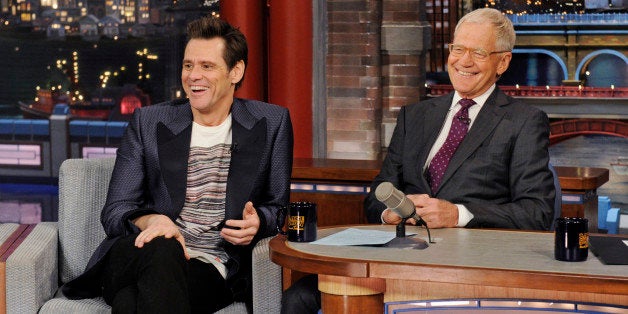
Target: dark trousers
158,279
302,297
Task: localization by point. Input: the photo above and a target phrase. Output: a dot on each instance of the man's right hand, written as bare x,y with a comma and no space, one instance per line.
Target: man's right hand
155,225
389,217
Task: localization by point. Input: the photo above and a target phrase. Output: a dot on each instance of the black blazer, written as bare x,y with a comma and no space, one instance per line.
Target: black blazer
150,173
499,172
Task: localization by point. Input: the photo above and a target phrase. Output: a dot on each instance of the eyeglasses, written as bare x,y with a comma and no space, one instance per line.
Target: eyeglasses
476,54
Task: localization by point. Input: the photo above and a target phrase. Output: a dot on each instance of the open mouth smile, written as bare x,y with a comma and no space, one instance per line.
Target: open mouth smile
463,73
198,89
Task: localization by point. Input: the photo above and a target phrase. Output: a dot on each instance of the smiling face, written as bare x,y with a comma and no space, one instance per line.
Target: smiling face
469,77
207,80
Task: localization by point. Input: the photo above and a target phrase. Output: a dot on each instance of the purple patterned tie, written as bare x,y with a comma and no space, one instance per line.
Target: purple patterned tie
457,132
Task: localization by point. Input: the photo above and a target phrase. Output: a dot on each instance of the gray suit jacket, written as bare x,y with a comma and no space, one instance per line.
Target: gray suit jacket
499,172
150,174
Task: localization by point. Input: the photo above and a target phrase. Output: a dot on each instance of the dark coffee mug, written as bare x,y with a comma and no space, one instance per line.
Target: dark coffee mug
571,239
301,221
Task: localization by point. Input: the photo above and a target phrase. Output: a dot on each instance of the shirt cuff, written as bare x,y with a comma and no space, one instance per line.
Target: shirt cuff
464,215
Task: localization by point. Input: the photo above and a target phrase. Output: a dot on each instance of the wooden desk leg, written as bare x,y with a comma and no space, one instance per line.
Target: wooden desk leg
351,295
288,277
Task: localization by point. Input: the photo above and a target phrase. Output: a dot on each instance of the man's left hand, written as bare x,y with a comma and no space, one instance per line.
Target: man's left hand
241,232
435,212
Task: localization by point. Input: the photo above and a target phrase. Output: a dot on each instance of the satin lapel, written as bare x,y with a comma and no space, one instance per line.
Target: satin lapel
488,118
432,123
173,144
249,141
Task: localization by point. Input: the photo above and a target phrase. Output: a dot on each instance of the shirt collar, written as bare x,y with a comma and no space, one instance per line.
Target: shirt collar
480,100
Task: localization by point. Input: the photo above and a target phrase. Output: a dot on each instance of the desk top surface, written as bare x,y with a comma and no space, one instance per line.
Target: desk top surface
470,248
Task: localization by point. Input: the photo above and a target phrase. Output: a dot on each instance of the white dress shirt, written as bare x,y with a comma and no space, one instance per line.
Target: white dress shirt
464,215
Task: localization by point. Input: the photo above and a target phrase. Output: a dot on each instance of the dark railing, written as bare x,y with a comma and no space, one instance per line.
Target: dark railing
545,91
570,19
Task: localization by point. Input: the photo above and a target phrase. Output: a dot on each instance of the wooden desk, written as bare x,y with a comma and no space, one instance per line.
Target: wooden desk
463,263
579,192
335,170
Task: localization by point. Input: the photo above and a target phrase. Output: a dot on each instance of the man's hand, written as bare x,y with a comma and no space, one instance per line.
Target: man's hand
155,225
435,212
245,229
390,217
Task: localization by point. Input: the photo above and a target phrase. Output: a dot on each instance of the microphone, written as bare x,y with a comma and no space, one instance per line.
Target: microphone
397,202
402,206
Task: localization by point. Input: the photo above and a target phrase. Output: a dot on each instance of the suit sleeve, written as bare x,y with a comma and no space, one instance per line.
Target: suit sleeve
531,183
277,188
392,171
125,196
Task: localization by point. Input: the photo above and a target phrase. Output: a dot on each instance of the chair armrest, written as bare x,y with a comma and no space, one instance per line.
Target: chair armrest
32,269
83,186
266,280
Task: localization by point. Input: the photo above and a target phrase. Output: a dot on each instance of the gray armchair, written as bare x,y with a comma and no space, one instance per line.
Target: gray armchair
83,187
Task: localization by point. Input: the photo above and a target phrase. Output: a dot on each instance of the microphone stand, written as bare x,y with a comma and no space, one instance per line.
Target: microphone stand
401,241
422,222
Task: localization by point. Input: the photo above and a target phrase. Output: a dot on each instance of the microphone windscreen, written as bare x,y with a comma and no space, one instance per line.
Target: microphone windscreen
383,191
394,199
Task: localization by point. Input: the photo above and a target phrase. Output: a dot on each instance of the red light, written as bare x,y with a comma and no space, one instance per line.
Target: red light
129,104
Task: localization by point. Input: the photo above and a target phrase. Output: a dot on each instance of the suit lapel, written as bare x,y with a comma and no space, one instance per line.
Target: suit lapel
249,141
431,124
486,121
173,144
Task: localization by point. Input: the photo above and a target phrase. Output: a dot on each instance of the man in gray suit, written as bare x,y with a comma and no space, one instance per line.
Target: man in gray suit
474,158
498,175
196,184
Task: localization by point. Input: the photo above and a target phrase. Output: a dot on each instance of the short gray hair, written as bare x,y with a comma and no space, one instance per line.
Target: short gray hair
504,30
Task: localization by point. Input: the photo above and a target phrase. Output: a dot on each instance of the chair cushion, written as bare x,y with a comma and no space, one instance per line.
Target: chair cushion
61,305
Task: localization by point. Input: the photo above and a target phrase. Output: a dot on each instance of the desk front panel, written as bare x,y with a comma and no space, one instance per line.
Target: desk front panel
405,290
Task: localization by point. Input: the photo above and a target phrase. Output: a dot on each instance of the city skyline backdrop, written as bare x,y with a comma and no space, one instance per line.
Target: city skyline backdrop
30,52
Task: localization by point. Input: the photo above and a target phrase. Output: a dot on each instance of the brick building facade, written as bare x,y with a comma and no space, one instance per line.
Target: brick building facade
374,64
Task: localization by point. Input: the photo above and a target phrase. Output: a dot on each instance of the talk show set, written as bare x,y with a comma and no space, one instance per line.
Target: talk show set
314,156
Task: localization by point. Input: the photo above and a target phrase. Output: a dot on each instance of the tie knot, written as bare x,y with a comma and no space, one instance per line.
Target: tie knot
466,103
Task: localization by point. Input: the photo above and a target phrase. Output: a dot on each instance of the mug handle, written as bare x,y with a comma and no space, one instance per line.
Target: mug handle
281,219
